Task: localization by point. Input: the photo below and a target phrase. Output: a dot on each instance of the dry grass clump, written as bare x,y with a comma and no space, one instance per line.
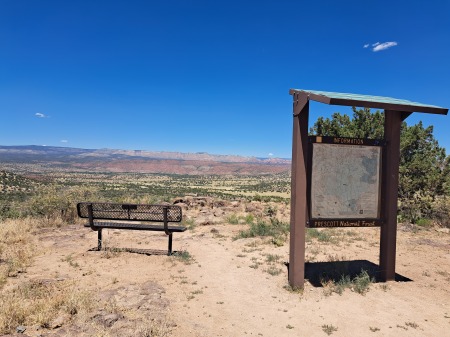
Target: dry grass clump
16,247
150,328
50,304
40,303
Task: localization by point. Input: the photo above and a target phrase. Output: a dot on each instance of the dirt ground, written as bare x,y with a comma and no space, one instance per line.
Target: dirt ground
239,287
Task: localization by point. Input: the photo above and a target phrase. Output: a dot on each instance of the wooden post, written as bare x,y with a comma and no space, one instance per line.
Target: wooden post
391,162
299,211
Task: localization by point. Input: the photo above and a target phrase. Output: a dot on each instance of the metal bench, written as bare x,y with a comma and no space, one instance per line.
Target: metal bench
100,214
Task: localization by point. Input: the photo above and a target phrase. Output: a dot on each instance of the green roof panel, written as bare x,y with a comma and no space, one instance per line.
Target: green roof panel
387,103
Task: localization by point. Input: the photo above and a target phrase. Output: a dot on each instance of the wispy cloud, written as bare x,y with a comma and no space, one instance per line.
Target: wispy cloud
40,115
377,46
270,154
384,46
64,141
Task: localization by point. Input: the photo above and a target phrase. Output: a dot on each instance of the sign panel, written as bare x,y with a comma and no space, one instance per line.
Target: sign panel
344,182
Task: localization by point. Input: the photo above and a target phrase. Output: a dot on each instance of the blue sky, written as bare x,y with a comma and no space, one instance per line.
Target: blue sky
208,76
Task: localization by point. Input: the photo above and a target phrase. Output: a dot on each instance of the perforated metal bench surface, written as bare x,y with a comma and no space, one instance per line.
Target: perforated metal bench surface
135,226
131,216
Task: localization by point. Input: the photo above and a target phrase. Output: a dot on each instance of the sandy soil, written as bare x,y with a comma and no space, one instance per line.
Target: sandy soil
228,289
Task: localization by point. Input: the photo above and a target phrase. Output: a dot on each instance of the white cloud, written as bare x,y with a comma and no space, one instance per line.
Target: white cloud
64,141
375,44
366,45
384,46
270,154
40,115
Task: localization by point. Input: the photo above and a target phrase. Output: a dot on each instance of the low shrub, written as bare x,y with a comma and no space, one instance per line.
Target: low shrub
322,235
276,229
233,219
440,214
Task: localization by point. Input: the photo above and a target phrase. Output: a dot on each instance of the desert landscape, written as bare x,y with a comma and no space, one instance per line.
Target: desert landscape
257,119
228,275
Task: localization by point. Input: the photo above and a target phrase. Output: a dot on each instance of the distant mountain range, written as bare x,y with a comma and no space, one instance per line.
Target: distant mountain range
111,160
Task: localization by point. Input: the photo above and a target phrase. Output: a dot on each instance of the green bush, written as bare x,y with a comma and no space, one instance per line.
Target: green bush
440,214
10,211
322,235
417,207
249,219
424,222
277,229
54,202
233,219
359,284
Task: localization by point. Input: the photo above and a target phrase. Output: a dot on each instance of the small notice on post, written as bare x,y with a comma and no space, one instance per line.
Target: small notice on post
344,182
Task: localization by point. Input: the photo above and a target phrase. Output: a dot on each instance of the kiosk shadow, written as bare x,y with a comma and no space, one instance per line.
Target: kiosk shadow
317,272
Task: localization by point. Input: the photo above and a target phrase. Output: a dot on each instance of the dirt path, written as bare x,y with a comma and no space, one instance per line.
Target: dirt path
237,287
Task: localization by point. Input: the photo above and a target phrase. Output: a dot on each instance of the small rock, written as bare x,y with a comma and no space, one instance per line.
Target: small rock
21,329
182,205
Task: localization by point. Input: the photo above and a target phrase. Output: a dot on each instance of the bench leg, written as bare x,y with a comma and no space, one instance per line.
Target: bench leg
170,244
99,239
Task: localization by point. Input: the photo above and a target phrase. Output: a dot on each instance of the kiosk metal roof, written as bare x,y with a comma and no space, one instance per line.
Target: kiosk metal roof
368,101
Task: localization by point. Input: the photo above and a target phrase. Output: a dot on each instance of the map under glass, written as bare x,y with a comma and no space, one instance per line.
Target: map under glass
345,181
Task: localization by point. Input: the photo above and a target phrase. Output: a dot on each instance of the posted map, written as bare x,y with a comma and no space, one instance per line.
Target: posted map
345,181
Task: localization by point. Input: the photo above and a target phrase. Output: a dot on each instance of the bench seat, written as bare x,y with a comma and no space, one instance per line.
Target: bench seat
134,226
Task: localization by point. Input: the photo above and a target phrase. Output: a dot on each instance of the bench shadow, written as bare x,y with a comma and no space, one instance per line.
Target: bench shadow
317,272
133,250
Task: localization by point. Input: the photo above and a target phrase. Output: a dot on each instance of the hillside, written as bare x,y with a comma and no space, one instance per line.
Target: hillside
44,158
10,182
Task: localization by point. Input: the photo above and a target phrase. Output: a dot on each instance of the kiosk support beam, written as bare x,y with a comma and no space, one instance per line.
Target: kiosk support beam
391,162
299,209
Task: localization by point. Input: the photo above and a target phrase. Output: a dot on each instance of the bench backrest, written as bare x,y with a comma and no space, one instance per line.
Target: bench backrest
136,212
